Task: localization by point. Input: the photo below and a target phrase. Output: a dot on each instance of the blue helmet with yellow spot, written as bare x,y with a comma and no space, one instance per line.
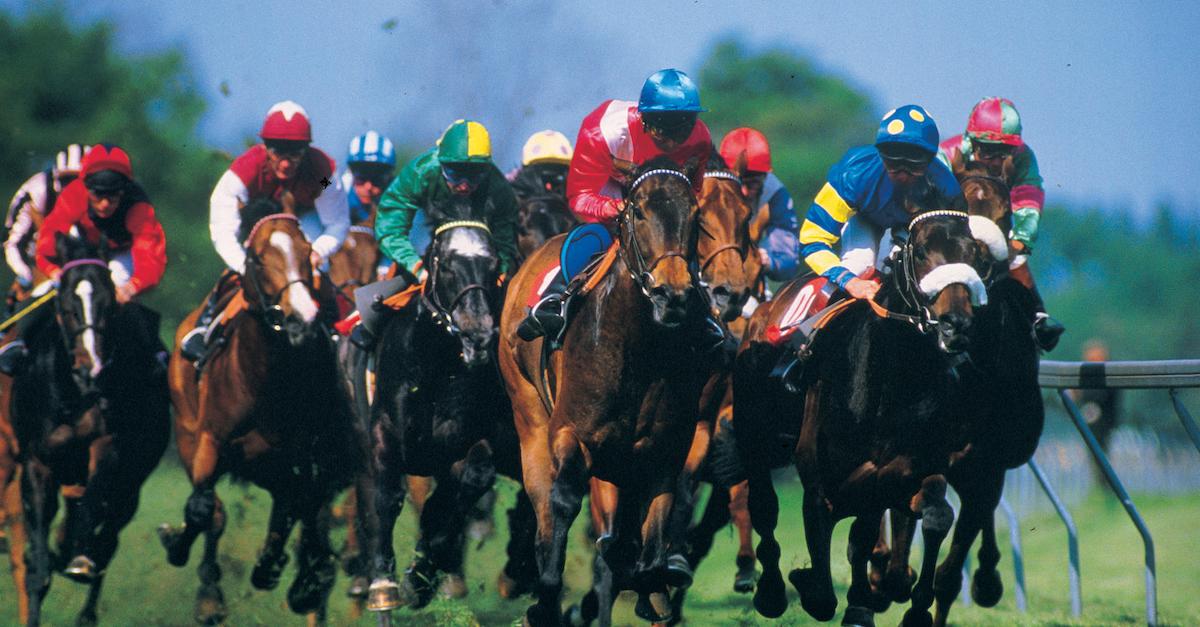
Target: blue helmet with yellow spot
909,124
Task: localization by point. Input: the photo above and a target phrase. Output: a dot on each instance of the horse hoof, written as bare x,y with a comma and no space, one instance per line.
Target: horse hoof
770,598
81,569
917,618
746,577
357,588
416,589
986,587
654,607
169,537
816,599
856,616
310,589
383,596
678,571
210,605
453,587
898,585
267,571
878,602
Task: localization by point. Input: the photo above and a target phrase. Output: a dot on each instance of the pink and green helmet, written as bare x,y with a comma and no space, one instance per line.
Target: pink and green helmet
995,121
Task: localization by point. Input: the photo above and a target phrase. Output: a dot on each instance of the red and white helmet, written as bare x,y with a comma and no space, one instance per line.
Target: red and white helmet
749,142
286,121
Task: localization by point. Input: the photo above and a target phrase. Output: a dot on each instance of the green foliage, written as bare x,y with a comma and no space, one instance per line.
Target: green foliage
810,116
63,84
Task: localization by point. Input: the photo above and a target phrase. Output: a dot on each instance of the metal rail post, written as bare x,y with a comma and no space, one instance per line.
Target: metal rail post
1072,538
1014,537
1189,425
1119,489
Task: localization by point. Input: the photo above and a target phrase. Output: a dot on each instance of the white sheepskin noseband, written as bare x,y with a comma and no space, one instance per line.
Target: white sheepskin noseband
946,275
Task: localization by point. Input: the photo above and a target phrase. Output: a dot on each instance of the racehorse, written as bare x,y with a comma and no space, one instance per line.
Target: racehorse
355,264
621,397
540,217
268,408
438,408
1003,422
868,429
91,412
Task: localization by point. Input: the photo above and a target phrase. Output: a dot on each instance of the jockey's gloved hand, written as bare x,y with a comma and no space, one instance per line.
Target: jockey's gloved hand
1025,227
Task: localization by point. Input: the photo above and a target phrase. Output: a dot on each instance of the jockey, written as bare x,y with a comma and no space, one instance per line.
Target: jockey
614,139
370,168
105,201
864,195
778,246
460,164
30,206
283,164
544,163
993,139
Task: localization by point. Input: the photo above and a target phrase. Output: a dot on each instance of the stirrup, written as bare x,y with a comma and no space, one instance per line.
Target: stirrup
545,319
1046,331
194,345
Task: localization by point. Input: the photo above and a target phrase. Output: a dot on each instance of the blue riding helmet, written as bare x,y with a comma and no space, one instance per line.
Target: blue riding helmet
371,147
909,124
670,90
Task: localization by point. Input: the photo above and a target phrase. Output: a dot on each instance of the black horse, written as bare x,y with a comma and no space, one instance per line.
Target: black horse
870,427
438,408
540,217
93,411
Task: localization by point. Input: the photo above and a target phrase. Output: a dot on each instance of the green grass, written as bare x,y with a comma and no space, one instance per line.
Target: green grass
142,589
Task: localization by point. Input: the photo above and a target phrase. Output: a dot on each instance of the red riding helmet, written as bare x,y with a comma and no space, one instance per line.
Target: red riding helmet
995,121
750,142
287,121
106,157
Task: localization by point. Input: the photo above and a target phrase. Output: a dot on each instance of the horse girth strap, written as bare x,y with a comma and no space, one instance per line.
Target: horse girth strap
476,224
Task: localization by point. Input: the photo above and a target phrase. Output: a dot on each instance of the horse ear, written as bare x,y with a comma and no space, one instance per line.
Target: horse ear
739,166
288,201
959,167
759,223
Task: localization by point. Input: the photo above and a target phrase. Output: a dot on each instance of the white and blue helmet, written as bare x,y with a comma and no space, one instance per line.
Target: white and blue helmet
371,147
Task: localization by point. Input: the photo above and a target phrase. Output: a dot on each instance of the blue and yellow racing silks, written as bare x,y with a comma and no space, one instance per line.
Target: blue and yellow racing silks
858,185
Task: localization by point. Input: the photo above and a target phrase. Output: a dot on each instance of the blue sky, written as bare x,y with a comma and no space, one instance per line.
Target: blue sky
1109,93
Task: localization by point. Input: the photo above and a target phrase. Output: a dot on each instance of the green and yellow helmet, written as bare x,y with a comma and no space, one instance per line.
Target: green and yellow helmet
465,141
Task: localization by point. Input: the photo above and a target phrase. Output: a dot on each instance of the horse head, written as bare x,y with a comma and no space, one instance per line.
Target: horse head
658,238
539,218
729,263
462,291
939,271
987,194
277,283
84,306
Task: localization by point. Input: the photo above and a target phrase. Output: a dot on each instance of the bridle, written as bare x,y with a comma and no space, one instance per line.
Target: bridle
269,307
907,285
704,262
83,379
635,261
429,295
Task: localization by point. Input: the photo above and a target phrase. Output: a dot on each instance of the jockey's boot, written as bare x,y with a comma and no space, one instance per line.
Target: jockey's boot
194,346
14,357
545,319
1046,330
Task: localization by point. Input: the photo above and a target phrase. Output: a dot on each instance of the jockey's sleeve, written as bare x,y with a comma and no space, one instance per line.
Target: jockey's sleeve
32,192
503,222
394,218
22,229
779,238
592,193
149,249
60,220
1027,190
822,229
333,208
225,218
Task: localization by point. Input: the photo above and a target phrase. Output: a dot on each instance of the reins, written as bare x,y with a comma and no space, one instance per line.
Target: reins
439,311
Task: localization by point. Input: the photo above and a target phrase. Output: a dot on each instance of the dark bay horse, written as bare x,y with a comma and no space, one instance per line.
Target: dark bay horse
1003,420
355,264
623,393
540,217
268,408
91,412
439,409
869,430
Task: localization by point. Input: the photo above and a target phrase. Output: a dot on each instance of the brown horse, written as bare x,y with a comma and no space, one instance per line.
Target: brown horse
355,264
622,396
11,516
269,408
869,430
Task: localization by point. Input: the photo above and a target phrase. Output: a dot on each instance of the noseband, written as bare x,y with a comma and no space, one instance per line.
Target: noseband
272,312
638,268
429,296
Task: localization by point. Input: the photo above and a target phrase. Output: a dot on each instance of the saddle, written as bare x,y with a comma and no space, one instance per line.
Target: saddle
588,252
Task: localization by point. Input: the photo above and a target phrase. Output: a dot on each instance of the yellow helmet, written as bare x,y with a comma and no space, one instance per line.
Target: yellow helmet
546,147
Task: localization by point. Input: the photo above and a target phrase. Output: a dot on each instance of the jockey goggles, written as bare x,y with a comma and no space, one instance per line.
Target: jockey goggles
106,183
676,125
464,177
377,176
989,151
904,157
284,149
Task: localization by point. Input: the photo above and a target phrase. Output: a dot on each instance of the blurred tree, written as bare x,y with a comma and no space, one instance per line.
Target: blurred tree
62,83
809,116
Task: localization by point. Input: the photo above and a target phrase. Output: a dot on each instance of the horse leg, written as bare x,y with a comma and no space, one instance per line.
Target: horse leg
210,600
87,616
651,576
978,505
679,568
864,534
316,562
39,501
380,511
936,518
739,513
201,505
986,587
597,601
520,571
770,598
272,557
814,584
18,542
557,505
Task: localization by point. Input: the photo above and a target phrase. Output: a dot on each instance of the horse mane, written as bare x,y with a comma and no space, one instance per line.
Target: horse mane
716,163
923,196
252,213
